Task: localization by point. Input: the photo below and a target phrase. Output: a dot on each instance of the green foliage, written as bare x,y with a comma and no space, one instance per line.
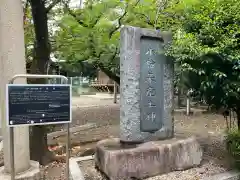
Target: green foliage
92,33
233,145
86,36
206,43
82,68
28,32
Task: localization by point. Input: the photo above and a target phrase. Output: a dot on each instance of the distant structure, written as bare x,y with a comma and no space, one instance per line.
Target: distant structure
103,83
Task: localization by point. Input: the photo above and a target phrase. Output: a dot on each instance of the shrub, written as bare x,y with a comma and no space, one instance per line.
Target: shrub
233,145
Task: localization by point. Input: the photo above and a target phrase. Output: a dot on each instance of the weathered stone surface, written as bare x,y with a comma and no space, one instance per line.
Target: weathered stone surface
33,173
130,99
147,159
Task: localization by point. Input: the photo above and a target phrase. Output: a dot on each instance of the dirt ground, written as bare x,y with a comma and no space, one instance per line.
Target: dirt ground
106,117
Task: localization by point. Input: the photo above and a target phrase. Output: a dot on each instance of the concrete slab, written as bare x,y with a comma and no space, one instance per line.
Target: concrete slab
148,159
31,174
75,171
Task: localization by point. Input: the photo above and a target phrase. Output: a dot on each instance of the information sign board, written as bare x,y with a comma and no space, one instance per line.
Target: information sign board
38,104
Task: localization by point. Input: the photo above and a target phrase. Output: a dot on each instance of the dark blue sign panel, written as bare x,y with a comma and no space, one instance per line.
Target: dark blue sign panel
151,84
38,104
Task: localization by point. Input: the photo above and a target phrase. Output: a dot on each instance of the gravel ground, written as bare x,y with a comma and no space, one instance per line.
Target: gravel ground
86,101
215,158
106,115
55,171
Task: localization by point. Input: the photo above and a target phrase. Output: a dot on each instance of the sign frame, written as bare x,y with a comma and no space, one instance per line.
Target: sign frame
11,129
38,85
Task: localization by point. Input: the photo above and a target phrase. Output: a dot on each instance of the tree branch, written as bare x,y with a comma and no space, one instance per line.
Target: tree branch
148,20
52,5
75,16
96,20
120,20
25,11
161,7
115,53
80,21
109,73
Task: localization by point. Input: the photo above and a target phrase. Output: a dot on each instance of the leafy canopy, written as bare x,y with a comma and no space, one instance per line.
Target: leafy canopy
206,43
92,33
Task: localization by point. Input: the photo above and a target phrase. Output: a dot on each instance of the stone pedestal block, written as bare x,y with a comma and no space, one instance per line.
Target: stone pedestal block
122,162
33,173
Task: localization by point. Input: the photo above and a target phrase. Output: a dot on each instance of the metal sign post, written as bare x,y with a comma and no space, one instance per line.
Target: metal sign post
41,121
115,87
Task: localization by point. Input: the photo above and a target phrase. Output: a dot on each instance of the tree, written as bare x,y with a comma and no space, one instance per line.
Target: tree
92,34
39,56
206,43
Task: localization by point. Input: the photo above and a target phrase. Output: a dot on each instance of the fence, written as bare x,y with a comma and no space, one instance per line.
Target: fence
80,85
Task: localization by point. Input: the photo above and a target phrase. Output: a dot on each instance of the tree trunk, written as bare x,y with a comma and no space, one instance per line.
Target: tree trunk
38,139
238,118
179,103
38,145
42,45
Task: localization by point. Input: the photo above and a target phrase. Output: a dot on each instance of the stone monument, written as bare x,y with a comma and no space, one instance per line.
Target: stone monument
146,86
12,62
147,145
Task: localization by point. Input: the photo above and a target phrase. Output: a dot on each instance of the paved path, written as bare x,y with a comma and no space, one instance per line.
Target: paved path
90,101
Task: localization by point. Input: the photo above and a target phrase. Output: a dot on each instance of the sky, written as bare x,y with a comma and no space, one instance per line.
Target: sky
75,3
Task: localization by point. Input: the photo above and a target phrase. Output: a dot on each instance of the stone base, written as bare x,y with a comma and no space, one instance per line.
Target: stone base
122,162
32,173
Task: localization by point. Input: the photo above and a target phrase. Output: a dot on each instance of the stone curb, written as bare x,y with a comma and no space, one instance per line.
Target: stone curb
230,175
75,171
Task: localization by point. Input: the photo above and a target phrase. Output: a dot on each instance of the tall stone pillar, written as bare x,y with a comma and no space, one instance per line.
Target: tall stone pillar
12,62
146,101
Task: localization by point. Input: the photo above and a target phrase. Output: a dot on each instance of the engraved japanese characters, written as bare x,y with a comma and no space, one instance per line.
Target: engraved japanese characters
151,86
